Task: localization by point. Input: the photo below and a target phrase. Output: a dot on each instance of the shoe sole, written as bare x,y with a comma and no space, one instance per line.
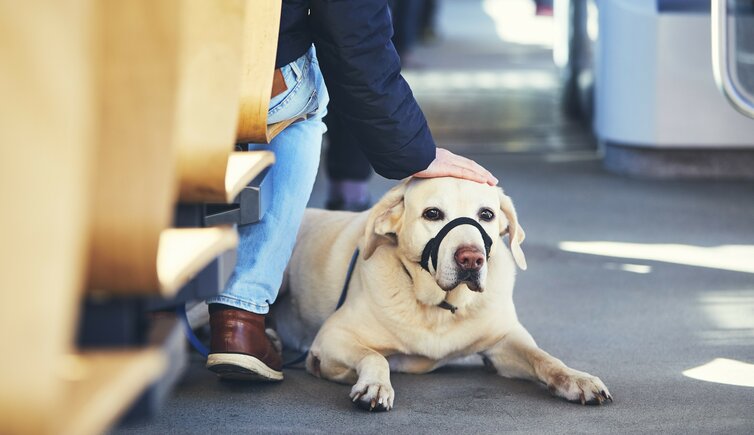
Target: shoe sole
239,367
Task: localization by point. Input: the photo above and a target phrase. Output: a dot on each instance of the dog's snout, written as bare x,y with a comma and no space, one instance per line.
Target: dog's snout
469,258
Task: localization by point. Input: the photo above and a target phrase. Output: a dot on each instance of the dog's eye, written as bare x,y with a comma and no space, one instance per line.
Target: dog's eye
433,214
486,214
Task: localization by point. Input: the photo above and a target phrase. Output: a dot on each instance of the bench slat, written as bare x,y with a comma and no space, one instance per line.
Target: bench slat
211,52
101,385
243,167
184,252
262,24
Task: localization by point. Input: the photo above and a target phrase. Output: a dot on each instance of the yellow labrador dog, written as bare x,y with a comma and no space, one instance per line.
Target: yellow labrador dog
433,283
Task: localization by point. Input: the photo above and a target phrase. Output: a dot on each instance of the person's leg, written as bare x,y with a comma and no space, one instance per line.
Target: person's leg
239,347
428,21
348,169
406,21
265,247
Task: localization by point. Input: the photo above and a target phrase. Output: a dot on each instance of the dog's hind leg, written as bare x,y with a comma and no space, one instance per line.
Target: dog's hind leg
517,356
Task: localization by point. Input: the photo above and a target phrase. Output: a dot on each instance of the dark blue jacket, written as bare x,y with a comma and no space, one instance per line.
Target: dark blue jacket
362,73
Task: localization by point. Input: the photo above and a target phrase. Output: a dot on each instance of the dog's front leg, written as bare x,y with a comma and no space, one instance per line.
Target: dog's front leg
338,357
373,390
517,356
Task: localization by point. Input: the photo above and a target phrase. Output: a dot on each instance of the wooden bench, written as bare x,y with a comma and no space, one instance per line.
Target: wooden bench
209,99
119,110
48,82
132,249
262,25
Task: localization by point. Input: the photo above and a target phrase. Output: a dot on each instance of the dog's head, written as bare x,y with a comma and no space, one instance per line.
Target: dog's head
415,211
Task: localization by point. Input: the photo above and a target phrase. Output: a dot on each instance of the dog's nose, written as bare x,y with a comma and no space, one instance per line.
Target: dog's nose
469,258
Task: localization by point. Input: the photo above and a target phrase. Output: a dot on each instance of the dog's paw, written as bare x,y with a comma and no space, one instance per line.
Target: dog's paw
579,387
373,396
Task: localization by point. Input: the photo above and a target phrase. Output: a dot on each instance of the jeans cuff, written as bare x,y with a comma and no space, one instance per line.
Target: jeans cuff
244,305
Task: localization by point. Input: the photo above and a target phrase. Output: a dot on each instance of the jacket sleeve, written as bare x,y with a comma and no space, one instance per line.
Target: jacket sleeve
363,76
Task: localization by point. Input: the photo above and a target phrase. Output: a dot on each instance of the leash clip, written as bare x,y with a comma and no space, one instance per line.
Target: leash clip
448,306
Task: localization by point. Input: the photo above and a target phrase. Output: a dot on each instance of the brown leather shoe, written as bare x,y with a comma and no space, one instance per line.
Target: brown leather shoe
239,347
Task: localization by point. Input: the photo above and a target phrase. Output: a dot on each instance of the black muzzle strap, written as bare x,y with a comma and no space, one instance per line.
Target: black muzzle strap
432,248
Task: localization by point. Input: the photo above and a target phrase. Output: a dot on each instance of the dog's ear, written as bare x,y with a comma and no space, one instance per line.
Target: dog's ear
385,220
515,233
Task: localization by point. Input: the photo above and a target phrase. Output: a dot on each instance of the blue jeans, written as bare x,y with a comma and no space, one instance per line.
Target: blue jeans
265,247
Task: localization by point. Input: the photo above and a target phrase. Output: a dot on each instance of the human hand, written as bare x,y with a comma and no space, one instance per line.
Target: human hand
447,164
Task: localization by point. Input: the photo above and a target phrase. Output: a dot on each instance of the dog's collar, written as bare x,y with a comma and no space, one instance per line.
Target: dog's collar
432,248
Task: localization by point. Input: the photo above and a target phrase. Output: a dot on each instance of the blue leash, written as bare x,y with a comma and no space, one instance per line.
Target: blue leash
202,349
341,301
351,267
192,338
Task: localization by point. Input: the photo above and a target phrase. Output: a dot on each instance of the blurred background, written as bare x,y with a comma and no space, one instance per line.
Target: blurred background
629,84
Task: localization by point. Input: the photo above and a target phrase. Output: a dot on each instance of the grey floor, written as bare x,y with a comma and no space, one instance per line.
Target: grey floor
608,309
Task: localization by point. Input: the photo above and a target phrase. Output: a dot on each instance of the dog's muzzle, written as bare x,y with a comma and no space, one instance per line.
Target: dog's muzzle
432,248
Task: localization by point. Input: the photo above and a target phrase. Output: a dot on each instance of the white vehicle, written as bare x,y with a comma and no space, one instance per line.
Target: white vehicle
643,72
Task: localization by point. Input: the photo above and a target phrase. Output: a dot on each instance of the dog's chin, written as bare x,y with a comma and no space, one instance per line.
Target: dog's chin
474,286
471,279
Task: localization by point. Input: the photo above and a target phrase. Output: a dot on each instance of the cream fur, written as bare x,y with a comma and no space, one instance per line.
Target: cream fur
390,319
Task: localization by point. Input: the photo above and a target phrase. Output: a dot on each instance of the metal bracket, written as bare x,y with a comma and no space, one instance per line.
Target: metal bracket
247,208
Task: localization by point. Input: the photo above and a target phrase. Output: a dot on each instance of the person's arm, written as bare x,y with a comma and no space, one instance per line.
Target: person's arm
362,73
